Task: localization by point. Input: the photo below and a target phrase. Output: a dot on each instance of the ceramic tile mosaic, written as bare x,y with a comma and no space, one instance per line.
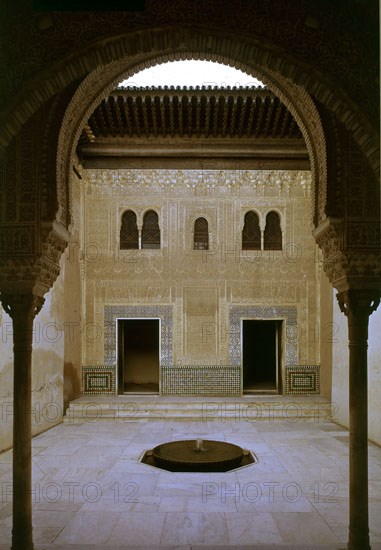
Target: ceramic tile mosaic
302,379
164,313
98,379
201,380
287,313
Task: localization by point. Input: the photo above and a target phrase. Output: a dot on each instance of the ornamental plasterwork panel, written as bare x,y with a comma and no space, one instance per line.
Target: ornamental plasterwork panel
285,292
270,183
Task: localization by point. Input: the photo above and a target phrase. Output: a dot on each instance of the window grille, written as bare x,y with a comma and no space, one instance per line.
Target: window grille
201,234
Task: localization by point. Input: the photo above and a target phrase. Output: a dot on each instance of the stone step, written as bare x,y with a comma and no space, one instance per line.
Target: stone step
89,410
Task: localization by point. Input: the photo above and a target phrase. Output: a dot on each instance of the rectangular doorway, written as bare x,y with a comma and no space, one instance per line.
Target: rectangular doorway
261,370
138,355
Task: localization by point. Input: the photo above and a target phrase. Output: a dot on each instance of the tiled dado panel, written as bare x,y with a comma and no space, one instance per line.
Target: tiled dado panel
302,379
288,313
222,380
99,379
164,313
200,379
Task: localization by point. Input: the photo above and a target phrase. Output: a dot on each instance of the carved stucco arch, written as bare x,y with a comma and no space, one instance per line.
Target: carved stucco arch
104,79
245,212
212,229
143,47
280,216
155,209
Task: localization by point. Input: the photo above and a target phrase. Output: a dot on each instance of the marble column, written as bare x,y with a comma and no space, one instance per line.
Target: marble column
357,306
22,308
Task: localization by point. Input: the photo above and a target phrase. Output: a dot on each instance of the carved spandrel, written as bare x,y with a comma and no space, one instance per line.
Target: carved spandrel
18,240
362,234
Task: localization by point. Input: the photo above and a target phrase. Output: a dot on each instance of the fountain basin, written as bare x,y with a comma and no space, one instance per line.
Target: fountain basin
192,456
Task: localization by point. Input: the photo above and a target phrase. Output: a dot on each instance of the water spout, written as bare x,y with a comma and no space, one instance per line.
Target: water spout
199,445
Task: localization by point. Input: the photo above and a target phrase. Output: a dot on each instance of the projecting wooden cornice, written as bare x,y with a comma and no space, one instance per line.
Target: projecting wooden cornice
188,124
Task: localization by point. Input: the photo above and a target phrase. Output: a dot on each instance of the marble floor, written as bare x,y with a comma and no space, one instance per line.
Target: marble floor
91,491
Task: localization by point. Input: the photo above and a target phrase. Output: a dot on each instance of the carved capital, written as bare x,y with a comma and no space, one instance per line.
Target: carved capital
330,237
358,301
35,273
347,267
21,306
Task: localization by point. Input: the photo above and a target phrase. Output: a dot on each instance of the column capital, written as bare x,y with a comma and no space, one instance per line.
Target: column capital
349,264
358,301
21,305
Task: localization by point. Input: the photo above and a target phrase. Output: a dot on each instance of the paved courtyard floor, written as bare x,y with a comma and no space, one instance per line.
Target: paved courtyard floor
91,491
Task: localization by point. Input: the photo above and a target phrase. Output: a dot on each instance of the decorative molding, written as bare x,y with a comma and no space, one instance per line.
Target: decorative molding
183,182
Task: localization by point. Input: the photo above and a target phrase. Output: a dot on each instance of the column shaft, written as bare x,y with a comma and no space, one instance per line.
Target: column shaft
358,430
22,308
22,538
357,305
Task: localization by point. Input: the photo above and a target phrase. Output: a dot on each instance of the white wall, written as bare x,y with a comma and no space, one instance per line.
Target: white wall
47,367
340,372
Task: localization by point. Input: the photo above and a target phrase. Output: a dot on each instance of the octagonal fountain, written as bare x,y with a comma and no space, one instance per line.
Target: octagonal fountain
197,455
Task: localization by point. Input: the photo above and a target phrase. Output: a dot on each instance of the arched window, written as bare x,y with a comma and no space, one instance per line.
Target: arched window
129,235
273,232
251,233
151,230
201,234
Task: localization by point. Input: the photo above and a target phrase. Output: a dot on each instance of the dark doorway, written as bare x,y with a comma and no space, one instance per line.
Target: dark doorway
138,355
261,352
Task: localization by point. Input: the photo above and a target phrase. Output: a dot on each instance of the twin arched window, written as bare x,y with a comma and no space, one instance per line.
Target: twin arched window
273,232
150,235
151,230
129,232
201,234
251,233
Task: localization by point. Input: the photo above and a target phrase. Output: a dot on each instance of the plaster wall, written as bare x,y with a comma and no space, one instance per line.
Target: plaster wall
325,333
340,373
73,301
47,366
200,286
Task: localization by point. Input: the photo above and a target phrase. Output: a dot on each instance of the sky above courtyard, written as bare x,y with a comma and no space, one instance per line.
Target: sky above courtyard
191,73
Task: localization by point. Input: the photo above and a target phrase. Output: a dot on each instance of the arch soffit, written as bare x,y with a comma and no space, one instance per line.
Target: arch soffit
103,80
